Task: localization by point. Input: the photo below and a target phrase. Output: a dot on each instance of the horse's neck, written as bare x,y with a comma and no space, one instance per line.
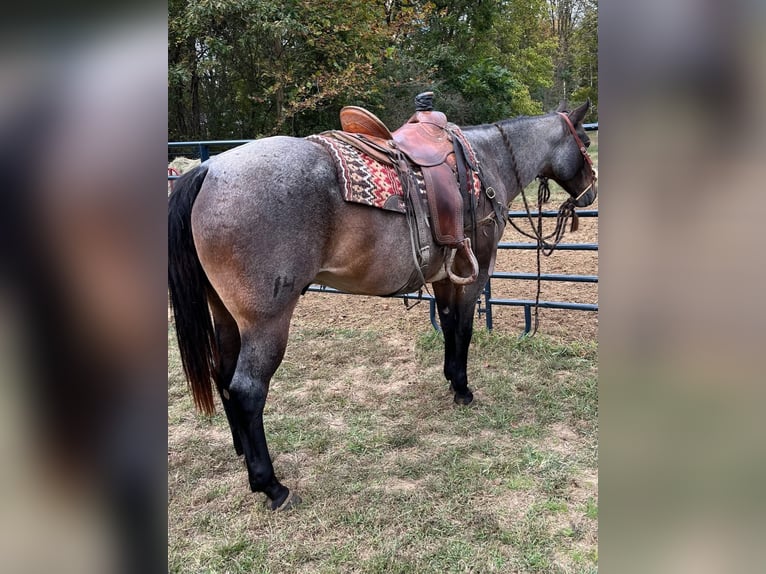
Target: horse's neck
527,136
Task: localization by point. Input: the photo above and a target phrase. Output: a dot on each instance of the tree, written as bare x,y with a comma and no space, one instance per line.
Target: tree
247,68
250,68
484,59
585,59
574,24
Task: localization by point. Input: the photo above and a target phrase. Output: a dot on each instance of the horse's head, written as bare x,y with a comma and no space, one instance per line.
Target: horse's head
569,164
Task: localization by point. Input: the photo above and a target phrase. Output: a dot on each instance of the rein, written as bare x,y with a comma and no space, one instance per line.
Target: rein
566,210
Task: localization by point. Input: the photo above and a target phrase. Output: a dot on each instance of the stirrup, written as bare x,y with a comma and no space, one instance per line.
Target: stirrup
455,278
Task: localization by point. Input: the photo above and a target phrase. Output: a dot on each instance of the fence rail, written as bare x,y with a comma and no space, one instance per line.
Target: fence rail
486,301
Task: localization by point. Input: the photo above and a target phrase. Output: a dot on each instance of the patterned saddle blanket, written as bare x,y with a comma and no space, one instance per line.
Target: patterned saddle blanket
364,179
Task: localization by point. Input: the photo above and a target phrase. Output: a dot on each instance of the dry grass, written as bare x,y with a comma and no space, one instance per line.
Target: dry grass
394,476
183,164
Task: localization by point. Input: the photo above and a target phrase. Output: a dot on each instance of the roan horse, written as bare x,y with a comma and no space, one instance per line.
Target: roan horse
251,228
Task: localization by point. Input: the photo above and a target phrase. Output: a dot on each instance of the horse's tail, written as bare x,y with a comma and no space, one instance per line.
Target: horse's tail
188,287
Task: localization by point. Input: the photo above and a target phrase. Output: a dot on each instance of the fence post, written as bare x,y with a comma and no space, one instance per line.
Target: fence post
204,152
432,314
527,320
487,292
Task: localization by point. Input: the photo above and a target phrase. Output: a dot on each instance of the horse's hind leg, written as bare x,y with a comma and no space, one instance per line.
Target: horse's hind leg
228,344
263,346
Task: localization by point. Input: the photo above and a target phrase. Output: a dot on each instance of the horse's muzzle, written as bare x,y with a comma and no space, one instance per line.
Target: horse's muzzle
588,197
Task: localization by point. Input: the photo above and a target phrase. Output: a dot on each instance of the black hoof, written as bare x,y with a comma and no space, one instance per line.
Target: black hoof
289,502
463,400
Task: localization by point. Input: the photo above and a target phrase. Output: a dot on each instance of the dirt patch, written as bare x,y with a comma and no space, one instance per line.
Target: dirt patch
514,505
584,485
402,485
562,439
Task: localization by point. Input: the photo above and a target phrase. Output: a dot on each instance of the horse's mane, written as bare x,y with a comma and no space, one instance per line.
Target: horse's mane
502,122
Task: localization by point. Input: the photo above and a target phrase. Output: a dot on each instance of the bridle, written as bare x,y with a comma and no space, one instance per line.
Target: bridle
584,152
566,210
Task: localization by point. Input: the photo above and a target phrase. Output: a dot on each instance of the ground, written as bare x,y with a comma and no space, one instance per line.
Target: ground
394,476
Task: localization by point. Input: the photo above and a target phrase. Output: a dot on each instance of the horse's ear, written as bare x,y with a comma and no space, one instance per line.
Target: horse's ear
578,115
562,106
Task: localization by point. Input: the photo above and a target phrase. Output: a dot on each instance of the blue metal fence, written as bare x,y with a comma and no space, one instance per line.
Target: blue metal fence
202,149
487,301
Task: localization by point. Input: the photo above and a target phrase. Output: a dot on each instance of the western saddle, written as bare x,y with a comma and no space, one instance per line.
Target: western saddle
429,143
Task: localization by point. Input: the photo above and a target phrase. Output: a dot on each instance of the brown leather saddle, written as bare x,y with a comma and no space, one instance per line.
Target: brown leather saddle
427,140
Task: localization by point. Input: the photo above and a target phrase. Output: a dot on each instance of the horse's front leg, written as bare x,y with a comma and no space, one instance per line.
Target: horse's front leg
456,306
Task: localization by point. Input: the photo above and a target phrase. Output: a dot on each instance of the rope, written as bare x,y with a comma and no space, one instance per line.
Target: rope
566,211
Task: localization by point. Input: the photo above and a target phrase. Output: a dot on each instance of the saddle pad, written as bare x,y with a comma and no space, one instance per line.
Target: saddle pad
364,179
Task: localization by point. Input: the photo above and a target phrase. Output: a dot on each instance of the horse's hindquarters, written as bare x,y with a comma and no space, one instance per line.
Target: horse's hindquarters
260,223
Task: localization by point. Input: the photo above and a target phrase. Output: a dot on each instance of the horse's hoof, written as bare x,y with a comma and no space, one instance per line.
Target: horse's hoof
289,502
464,400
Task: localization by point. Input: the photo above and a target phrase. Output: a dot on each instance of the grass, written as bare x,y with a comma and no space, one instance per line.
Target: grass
394,476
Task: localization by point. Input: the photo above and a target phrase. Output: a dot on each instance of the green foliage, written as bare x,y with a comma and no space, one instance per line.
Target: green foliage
585,57
249,68
574,25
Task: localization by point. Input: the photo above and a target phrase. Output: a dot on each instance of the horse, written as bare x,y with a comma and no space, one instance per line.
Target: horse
250,229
